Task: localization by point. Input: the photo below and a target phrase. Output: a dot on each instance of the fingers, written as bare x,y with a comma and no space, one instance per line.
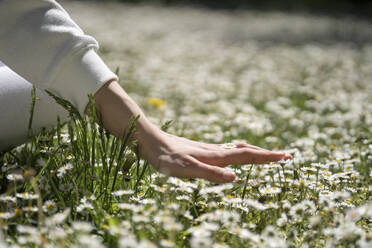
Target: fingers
189,167
217,147
201,160
241,156
254,156
213,173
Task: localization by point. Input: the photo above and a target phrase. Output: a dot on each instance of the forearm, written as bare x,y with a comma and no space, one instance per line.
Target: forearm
116,109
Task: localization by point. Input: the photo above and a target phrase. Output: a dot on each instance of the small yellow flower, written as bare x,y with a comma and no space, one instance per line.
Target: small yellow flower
156,102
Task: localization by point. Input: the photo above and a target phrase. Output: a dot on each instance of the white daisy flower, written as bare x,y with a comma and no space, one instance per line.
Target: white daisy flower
14,177
50,207
64,169
228,145
27,196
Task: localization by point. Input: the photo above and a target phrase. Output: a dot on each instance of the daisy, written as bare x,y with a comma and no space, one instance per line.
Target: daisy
65,187
82,226
27,196
8,166
228,145
167,243
14,177
63,170
30,209
6,198
6,215
270,190
122,192
50,207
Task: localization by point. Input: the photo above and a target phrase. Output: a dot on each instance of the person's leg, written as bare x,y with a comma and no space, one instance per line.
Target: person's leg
15,104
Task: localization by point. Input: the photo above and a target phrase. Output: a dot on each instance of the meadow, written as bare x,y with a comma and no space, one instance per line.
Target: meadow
297,83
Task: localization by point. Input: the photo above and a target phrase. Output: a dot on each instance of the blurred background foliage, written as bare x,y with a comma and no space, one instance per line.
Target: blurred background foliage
354,7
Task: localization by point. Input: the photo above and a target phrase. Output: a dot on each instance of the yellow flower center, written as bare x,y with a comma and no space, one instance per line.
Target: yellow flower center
17,211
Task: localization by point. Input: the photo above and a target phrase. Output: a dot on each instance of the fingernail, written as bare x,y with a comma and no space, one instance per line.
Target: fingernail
228,176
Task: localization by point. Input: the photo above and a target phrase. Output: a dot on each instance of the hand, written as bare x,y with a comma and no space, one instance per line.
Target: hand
180,157
172,155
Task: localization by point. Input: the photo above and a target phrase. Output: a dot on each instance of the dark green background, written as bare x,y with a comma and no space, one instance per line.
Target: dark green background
363,7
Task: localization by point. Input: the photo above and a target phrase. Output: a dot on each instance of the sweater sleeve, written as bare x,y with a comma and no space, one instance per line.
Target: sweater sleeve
40,42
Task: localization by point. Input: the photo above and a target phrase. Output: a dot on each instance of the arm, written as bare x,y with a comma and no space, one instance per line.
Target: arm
170,154
40,42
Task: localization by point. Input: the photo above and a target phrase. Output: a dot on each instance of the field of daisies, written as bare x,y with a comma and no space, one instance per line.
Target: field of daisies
297,83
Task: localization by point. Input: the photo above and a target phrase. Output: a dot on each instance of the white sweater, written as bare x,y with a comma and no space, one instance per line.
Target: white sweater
40,42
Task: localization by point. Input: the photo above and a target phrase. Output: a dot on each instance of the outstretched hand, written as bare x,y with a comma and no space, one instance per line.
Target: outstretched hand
169,154
181,157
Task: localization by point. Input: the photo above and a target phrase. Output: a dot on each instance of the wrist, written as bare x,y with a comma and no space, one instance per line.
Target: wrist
146,132
117,109
151,140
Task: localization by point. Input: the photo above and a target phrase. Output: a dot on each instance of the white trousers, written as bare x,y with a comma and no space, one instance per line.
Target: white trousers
15,104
